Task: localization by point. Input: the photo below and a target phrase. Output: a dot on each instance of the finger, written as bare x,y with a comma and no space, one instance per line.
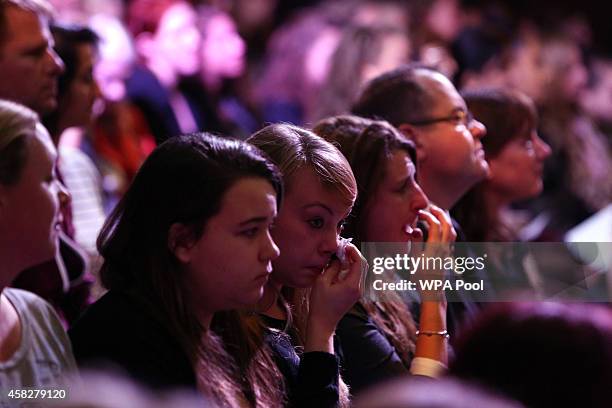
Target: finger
352,254
330,274
445,223
434,228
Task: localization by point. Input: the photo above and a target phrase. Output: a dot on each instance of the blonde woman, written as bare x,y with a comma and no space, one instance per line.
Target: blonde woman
34,349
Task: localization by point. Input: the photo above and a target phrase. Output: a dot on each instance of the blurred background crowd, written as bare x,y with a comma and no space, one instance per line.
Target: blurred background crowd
149,69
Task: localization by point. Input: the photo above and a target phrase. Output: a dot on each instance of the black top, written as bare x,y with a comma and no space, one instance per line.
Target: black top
368,357
311,379
119,331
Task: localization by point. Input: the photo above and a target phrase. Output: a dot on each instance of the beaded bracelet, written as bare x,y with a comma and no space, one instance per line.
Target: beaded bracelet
443,333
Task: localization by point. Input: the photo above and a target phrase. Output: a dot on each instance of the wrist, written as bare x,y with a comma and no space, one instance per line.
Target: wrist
319,338
432,316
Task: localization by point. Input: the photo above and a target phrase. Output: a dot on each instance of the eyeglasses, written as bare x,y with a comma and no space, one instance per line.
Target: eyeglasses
461,117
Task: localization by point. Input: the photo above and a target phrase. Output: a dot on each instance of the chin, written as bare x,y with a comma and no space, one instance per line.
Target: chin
304,282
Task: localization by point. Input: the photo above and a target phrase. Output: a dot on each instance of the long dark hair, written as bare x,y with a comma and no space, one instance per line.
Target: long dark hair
182,181
367,145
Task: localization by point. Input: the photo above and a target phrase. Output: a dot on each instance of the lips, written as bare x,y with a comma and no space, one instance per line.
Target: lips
263,277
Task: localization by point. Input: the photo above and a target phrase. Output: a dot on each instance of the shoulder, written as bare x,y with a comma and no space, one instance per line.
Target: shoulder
31,305
114,312
117,331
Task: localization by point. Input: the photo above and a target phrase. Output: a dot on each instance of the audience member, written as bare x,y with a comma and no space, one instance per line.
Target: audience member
203,247
542,354
34,349
168,41
378,336
121,137
28,63
425,106
31,68
516,156
307,295
77,93
364,52
223,63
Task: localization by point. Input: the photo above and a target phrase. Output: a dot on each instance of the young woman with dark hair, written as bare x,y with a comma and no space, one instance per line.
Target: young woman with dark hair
189,239
379,337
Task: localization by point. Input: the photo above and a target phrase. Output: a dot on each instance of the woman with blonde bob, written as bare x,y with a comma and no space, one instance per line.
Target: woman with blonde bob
309,290
379,337
34,349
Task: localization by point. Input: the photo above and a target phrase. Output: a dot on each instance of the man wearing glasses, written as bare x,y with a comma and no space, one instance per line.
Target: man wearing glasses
425,106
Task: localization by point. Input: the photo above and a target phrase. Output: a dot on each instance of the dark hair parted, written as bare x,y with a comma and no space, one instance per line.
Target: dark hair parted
398,96
368,145
543,354
183,181
507,115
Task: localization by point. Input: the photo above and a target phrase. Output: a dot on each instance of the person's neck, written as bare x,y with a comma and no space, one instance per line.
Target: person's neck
444,195
166,76
495,204
9,269
269,303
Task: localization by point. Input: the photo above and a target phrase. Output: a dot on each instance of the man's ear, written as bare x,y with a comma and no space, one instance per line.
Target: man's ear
410,132
181,242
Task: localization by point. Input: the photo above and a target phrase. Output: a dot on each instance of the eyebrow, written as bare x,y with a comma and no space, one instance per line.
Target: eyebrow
318,204
255,220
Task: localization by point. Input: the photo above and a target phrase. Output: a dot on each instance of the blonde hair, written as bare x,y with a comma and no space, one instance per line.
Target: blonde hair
291,148
17,122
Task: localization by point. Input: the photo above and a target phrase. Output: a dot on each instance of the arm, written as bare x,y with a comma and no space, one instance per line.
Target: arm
368,356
